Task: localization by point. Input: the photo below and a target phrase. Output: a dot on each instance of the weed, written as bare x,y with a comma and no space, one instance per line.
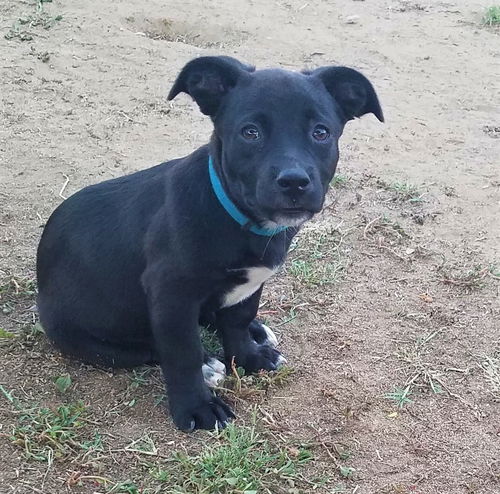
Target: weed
94,444
160,475
492,16
339,181
400,396
346,472
5,335
126,487
246,386
63,383
23,26
140,377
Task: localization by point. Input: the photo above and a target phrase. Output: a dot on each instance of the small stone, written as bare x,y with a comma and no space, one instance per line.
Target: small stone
352,19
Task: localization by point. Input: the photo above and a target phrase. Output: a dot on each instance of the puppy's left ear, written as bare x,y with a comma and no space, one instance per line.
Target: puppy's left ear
351,90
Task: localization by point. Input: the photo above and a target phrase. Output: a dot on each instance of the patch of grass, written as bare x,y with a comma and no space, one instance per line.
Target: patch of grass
238,460
402,191
339,181
491,17
5,335
140,377
22,28
13,289
419,370
210,341
46,434
311,273
316,258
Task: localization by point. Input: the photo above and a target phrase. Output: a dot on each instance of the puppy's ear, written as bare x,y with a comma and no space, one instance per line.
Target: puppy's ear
351,90
208,79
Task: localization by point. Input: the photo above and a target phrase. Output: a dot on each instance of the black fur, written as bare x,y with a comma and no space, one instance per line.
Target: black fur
129,267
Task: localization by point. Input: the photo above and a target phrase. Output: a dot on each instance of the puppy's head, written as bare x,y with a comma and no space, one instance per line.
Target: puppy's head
276,132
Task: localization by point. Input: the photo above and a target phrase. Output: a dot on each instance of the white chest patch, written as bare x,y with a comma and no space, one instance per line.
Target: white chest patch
256,276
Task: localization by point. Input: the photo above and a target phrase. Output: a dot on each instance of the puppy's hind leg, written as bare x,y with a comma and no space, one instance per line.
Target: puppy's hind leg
85,347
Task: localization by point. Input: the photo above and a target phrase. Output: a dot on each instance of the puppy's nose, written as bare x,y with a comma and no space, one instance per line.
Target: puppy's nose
293,180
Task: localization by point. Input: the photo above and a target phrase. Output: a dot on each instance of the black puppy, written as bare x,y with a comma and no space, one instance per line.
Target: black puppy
127,269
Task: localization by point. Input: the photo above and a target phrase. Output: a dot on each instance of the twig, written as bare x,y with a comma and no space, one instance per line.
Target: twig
236,375
64,186
369,224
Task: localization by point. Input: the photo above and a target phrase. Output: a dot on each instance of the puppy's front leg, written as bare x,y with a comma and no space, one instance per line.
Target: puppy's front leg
234,324
174,312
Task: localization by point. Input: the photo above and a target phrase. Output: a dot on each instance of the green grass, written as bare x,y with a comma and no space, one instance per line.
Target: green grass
402,191
23,27
400,396
210,342
45,434
339,181
421,372
316,259
492,16
6,335
237,460
316,273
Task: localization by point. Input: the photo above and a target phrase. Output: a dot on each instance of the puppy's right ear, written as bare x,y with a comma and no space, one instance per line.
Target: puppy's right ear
208,79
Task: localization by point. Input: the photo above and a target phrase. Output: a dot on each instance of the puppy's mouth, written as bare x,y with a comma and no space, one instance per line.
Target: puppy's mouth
290,217
292,211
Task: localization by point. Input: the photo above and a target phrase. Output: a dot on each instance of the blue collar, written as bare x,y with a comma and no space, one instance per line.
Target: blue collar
231,208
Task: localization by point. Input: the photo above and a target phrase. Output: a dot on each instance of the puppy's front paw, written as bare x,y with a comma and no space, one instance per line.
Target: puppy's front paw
261,357
214,372
262,334
200,412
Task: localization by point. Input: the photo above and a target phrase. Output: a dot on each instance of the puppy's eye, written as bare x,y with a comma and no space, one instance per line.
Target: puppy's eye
321,133
250,132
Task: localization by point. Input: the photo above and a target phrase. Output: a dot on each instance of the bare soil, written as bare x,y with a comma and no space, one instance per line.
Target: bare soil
394,288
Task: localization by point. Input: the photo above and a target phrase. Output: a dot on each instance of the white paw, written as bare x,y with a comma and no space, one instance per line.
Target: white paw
214,372
281,361
271,337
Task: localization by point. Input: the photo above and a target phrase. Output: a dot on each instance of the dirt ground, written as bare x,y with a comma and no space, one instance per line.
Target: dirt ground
388,309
